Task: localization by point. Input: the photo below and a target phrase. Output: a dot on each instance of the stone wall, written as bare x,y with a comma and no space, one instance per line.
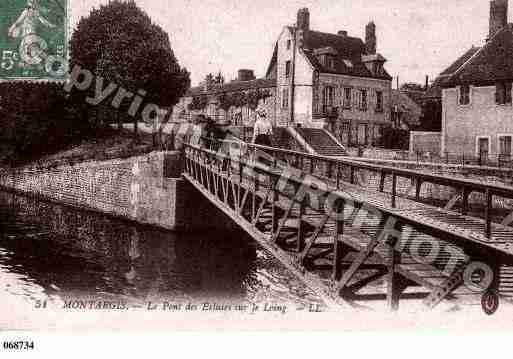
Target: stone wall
146,189
425,142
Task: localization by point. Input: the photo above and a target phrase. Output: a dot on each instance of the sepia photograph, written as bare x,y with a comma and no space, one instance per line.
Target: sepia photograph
220,165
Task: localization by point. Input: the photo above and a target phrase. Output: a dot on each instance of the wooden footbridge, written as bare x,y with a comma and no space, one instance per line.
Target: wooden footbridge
350,245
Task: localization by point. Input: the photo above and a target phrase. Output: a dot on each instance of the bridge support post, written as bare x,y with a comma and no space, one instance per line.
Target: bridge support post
393,289
464,201
254,197
418,187
338,245
488,214
329,169
338,176
274,210
394,190
301,227
382,181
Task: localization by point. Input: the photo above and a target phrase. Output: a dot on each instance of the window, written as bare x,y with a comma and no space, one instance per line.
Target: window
345,133
362,134
347,97
503,93
379,101
377,134
505,145
363,100
285,98
464,95
288,44
483,147
287,69
327,99
330,62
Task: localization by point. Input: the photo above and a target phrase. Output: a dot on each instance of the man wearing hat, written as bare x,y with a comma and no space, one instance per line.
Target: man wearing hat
263,129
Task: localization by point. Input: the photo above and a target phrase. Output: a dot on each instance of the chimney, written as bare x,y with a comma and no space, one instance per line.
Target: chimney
498,16
427,83
342,33
303,19
370,38
245,75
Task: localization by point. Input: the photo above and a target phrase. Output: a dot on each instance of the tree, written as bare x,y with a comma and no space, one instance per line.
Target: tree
119,42
219,79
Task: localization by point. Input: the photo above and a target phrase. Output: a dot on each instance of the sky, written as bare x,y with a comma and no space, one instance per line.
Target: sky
418,37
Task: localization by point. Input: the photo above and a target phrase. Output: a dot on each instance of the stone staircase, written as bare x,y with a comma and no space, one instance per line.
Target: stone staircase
309,140
321,142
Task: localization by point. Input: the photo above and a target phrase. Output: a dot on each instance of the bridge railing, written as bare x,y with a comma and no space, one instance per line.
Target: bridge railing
395,229
235,160
338,170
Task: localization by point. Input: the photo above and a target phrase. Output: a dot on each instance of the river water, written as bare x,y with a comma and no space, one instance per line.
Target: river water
51,254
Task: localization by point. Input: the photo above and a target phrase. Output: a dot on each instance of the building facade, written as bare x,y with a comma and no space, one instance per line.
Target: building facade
331,81
315,80
233,102
477,111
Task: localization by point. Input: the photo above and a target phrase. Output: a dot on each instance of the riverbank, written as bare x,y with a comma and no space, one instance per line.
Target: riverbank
147,189
109,144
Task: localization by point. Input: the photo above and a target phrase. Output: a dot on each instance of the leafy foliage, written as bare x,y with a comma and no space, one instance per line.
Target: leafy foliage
119,42
35,119
395,138
250,99
199,103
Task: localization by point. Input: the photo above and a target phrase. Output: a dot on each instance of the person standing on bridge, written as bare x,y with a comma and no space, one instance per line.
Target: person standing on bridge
262,130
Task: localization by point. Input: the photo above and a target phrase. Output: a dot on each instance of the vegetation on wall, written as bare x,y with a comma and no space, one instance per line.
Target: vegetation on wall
250,99
199,103
394,138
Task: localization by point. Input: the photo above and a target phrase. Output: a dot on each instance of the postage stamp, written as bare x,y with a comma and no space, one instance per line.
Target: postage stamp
33,39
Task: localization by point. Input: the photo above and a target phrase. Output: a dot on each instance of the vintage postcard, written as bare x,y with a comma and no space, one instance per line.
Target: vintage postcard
216,165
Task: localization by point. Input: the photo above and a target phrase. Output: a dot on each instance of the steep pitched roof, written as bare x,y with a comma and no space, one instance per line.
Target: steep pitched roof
480,65
435,90
233,86
349,59
347,47
492,63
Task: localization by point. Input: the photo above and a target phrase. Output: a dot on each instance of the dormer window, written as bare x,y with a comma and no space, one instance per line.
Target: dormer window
326,57
464,95
503,93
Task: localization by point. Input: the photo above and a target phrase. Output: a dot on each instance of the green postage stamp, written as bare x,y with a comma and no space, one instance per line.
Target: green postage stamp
33,39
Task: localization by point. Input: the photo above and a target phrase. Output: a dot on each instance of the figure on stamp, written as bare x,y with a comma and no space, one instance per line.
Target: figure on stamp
26,23
25,27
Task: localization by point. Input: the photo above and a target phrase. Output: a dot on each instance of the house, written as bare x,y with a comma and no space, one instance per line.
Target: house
235,101
313,80
477,116
332,81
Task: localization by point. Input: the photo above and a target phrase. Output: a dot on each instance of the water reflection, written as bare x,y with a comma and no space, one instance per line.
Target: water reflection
52,251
